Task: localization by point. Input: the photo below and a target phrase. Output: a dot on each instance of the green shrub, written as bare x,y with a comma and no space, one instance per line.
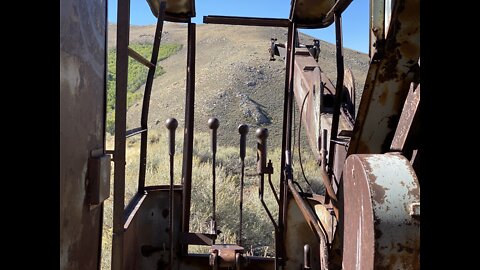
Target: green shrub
137,76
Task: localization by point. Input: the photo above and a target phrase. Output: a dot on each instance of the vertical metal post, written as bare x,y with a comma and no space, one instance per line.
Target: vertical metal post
171,125
279,253
188,131
146,96
338,92
123,32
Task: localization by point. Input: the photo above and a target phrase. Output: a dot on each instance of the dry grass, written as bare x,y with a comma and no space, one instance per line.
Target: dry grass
258,237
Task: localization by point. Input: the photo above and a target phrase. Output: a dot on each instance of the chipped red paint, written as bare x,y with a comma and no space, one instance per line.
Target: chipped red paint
380,231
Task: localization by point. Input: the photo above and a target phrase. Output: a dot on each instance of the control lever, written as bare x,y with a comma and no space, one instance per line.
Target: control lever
171,125
243,130
262,168
213,124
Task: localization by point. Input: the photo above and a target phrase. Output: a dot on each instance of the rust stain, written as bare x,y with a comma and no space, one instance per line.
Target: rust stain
378,193
383,97
363,147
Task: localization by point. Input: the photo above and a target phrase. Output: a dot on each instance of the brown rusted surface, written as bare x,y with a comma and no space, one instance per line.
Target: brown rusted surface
188,130
377,25
83,32
146,234
317,228
394,66
307,94
410,112
177,10
226,254
121,81
349,96
248,21
298,234
310,13
381,192
201,262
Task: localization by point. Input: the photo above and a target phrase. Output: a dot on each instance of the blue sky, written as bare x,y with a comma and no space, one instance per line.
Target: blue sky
354,19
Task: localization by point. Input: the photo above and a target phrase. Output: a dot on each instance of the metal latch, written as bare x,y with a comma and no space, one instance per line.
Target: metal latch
98,179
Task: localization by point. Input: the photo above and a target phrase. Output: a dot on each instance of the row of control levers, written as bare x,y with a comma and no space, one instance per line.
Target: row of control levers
225,255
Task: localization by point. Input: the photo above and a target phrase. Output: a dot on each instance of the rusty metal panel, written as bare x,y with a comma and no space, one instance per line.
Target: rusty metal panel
377,25
146,232
177,10
298,233
393,68
201,262
310,13
381,203
83,37
307,94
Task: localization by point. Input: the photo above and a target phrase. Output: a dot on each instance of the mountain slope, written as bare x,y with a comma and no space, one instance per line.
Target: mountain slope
235,81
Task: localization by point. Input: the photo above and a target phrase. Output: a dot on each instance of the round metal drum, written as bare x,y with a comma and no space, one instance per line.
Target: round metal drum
381,213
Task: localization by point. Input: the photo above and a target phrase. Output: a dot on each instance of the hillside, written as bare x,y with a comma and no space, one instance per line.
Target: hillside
235,81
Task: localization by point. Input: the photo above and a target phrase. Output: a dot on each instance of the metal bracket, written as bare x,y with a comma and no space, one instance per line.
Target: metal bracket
98,178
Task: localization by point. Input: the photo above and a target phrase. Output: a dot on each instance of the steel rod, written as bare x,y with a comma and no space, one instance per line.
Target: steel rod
338,92
188,132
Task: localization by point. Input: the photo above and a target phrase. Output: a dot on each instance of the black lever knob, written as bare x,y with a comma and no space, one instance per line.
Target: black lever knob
213,124
262,135
243,130
171,125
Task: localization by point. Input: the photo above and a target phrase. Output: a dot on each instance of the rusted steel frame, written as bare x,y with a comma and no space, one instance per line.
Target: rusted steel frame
312,223
406,124
377,26
123,32
338,92
201,261
388,81
132,53
146,97
135,131
250,21
202,239
279,251
188,131
338,8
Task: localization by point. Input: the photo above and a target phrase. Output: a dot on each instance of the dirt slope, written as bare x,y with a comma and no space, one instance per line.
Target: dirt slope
235,81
